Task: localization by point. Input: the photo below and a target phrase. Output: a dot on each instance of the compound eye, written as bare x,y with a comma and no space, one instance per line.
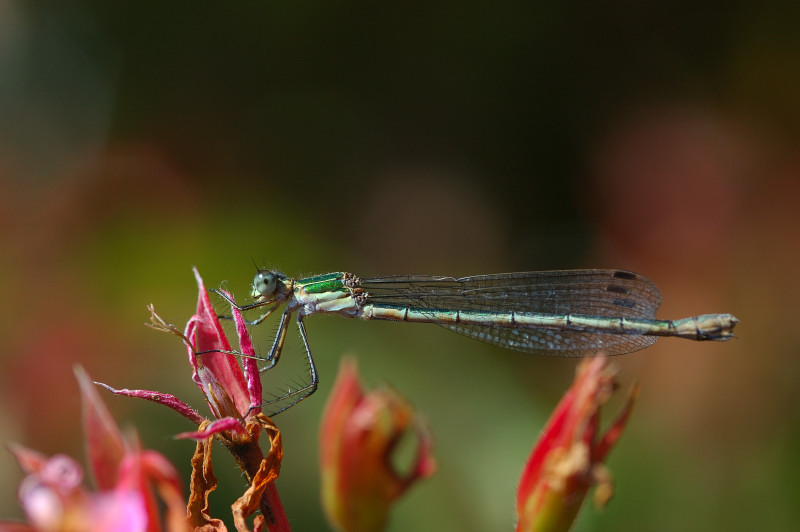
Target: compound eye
265,283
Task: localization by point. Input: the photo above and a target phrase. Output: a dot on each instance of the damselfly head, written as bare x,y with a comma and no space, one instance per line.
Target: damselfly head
266,285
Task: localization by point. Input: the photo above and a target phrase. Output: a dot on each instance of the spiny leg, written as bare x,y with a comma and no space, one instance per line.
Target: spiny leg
301,393
312,368
258,320
264,316
277,344
245,308
275,351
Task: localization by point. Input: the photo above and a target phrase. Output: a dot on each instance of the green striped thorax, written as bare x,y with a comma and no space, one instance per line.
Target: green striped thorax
328,293
321,284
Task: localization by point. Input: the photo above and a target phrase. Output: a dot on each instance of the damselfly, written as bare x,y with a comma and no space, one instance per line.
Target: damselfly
569,313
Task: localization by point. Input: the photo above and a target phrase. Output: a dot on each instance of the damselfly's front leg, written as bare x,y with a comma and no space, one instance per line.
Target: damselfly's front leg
270,359
277,344
264,316
245,308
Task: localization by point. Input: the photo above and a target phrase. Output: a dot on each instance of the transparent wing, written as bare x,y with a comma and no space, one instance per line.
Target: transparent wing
604,293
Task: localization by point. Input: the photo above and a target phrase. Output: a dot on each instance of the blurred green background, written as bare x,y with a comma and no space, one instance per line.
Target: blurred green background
138,139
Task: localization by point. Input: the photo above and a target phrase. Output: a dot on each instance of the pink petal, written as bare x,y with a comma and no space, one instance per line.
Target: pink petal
29,460
358,436
206,333
574,411
44,506
614,432
159,469
424,463
104,443
118,511
218,425
163,398
250,365
142,471
552,437
170,487
62,471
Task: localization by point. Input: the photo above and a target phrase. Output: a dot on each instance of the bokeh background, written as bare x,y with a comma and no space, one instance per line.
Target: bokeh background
138,139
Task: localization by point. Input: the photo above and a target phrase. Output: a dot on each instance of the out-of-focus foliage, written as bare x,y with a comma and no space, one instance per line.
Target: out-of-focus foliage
138,139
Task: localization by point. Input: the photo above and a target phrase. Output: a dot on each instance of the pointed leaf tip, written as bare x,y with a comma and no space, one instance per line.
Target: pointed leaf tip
104,443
